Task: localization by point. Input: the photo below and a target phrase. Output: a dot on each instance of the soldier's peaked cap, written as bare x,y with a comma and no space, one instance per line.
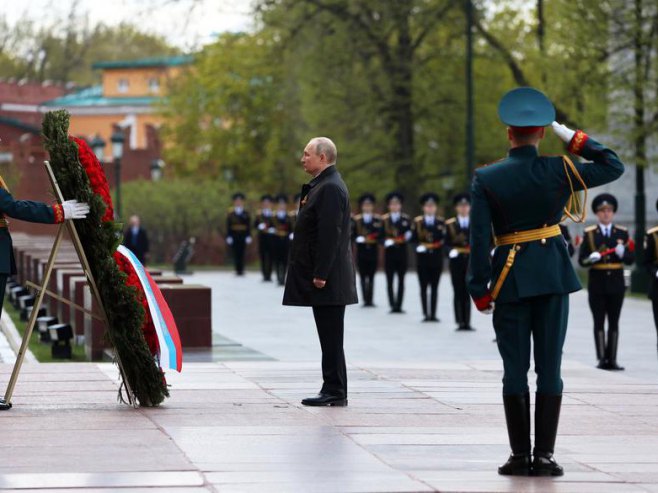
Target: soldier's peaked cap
265,197
526,107
461,198
394,195
429,197
238,195
282,197
367,197
604,199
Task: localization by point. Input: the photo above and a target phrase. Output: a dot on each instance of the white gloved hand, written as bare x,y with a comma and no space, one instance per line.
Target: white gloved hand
389,243
657,274
453,253
408,235
492,252
421,249
620,249
291,236
271,230
594,257
563,132
74,209
229,240
360,239
248,240
262,226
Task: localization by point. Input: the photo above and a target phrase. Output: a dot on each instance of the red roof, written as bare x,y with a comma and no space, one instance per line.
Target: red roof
29,92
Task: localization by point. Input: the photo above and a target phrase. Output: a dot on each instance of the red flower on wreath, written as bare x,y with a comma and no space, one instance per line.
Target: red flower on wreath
96,175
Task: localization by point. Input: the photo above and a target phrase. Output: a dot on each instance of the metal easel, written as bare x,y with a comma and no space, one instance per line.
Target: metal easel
42,290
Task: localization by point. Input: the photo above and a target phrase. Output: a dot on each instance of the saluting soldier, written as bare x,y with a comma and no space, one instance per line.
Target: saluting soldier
283,224
266,231
366,228
651,263
530,275
605,250
395,234
459,250
238,231
429,235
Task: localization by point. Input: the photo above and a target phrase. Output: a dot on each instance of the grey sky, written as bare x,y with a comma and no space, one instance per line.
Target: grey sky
186,23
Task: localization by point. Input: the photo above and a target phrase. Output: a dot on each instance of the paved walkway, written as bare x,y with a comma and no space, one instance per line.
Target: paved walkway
424,412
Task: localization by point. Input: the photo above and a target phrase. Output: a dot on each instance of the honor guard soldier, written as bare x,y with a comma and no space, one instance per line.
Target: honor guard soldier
459,251
605,250
651,263
283,224
428,235
366,228
524,197
395,234
266,232
238,231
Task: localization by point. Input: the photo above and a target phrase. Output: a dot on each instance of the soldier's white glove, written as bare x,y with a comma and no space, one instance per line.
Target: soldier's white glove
421,249
490,310
453,253
248,240
262,226
594,257
389,243
74,209
408,235
271,230
492,252
229,240
291,236
563,132
360,239
620,249
657,274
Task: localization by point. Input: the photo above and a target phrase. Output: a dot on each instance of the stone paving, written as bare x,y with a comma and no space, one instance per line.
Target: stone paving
424,411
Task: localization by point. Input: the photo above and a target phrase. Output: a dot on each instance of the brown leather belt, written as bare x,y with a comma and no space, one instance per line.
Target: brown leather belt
610,266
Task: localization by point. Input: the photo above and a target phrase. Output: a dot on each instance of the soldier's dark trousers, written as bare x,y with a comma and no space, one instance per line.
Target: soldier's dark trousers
265,252
395,264
654,304
428,277
461,299
604,305
238,248
281,259
329,321
367,265
542,319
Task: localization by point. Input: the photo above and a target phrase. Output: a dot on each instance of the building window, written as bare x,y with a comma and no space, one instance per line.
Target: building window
123,85
154,84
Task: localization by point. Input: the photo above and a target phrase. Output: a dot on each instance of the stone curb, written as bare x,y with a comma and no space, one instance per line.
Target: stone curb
13,338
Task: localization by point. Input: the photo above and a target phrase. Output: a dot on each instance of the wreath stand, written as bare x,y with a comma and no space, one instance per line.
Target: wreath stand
42,290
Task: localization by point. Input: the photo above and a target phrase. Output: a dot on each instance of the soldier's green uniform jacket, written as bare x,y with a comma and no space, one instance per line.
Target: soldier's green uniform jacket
25,210
511,195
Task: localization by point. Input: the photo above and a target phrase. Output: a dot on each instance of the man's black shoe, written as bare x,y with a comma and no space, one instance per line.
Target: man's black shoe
325,400
544,464
516,465
433,319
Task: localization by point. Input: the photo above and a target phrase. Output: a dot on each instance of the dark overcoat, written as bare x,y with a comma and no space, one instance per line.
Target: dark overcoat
321,245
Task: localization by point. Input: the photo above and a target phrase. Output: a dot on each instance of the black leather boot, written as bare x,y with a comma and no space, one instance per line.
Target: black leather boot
547,417
599,342
517,415
613,342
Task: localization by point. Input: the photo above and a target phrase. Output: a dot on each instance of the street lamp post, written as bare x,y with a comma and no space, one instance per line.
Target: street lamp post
157,169
97,144
117,153
470,130
639,277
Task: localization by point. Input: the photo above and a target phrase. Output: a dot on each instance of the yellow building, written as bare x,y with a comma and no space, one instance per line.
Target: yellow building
125,97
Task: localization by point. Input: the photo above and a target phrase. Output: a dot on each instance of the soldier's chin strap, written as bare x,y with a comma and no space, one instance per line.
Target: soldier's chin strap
576,210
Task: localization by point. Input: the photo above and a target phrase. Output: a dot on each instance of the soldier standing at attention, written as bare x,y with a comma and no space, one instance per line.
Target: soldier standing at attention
396,233
651,263
457,241
604,251
266,231
429,235
366,228
283,223
238,231
524,197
